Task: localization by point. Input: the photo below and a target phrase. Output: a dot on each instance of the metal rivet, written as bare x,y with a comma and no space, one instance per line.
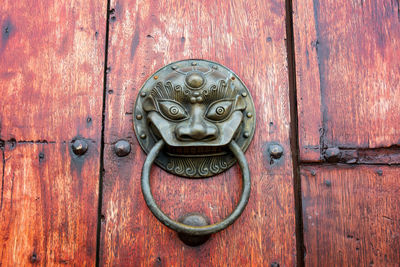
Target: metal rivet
215,67
276,151
233,78
192,100
246,134
143,136
196,94
332,154
249,115
155,77
142,94
174,67
139,117
199,99
122,148
194,63
244,94
79,147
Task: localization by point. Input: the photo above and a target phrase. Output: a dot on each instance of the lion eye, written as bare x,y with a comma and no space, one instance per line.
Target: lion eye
172,110
219,110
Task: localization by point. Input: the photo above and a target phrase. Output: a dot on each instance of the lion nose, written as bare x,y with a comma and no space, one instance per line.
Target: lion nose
197,128
197,132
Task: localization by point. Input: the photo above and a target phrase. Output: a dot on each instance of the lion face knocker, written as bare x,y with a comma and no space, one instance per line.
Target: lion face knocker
197,108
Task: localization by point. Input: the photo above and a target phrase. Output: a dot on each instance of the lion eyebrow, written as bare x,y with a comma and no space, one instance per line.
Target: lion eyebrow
167,91
223,90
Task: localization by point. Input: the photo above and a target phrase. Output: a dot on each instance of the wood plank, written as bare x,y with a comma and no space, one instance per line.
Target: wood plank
307,81
351,215
48,206
51,84
348,66
52,59
248,37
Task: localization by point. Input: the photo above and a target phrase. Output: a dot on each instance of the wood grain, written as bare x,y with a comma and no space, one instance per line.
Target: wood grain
249,38
348,66
51,84
351,215
52,58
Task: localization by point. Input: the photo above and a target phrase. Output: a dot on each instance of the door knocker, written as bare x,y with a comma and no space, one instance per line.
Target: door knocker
194,118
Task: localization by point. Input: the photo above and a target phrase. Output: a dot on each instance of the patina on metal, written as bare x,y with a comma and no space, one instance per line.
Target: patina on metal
194,118
190,229
197,107
194,219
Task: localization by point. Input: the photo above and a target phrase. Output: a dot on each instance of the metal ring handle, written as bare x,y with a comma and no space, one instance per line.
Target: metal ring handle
187,229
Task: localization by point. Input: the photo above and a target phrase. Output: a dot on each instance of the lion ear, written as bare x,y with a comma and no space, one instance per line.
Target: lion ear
240,104
148,104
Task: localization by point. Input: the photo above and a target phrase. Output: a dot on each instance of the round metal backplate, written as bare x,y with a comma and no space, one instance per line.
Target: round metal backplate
182,89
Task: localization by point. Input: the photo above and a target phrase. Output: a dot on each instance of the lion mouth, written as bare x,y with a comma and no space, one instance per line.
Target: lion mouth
196,151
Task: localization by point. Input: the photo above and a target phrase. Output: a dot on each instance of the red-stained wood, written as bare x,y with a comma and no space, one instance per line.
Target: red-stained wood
351,215
347,73
51,84
249,38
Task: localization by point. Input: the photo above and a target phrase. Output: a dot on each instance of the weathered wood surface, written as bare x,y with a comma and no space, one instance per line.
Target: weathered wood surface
248,37
51,83
351,215
348,74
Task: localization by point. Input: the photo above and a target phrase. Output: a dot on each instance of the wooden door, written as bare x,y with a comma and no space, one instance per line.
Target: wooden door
324,76
51,78
247,37
348,91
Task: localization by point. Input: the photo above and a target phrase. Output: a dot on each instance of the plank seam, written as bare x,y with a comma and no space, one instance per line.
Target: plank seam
294,138
101,170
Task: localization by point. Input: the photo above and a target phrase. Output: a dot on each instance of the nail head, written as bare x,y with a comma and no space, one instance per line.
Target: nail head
122,148
79,147
276,151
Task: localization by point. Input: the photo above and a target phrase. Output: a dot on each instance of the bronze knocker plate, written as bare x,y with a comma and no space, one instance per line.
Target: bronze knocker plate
197,107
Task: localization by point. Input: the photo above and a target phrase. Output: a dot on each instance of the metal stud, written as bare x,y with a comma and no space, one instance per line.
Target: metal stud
79,147
249,115
122,148
139,116
246,134
143,136
332,154
276,151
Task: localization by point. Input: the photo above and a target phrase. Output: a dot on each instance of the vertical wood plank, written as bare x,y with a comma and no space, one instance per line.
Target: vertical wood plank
48,205
347,64
351,215
51,84
307,81
52,59
249,38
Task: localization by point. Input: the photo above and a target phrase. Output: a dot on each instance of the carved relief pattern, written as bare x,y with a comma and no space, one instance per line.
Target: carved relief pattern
190,105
